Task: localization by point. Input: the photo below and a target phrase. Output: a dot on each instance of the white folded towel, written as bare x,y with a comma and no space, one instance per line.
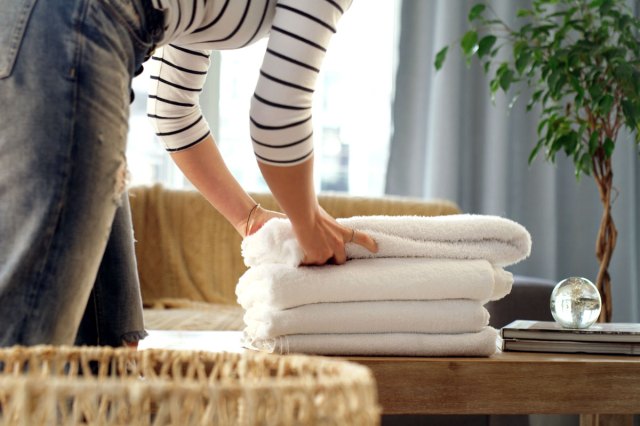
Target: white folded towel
282,286
432,316
496,239
482,343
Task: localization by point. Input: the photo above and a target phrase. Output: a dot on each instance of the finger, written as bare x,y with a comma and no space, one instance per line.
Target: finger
348,235
307,262
340,256
364,240
317,260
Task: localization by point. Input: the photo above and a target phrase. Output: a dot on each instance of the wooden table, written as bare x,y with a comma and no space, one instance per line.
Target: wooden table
505,383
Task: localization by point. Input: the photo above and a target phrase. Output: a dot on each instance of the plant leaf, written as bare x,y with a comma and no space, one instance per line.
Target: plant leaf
609,145
476,11
521,13
522,60
605,104
585,164
534,152
542,124
505,79
469,43
440,57
594,141
485,45
630,114
494,85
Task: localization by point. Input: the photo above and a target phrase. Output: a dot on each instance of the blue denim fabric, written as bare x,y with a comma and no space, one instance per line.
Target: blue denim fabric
65,231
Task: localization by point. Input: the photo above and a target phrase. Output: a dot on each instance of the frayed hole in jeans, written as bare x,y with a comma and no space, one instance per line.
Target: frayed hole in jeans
121,182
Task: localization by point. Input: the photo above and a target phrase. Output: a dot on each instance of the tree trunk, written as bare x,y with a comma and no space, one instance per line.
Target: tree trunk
606,241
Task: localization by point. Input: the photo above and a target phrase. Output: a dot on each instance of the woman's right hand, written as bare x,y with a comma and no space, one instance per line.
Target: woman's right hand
323,240
320,236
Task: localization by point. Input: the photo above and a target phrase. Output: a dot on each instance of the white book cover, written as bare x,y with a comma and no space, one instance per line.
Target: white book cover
549,330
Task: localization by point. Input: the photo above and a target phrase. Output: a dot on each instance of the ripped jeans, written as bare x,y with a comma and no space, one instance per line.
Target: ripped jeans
67,265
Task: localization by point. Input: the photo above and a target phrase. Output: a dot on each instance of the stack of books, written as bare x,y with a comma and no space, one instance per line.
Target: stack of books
548,336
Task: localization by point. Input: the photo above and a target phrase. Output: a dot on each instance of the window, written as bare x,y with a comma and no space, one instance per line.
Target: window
352,109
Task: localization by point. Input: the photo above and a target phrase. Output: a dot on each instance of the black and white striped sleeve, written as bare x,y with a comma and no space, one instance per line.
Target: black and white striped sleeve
281,125
177,78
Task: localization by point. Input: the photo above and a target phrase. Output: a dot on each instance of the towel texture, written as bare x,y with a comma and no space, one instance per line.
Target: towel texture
282,286
498,240
482,343
433,316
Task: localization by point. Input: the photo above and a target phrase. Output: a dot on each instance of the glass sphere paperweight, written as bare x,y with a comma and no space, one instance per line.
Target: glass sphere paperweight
575,303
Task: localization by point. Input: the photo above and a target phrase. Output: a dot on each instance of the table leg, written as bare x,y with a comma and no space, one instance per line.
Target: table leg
606,419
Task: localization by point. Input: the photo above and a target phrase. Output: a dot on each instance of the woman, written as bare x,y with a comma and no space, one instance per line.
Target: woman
67,267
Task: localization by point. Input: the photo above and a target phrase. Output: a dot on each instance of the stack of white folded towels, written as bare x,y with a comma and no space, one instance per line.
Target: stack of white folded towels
422,294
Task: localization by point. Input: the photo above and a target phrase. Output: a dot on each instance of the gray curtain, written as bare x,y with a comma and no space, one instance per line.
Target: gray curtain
450,142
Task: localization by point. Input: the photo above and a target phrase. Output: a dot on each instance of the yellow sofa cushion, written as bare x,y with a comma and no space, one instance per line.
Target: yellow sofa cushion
187,250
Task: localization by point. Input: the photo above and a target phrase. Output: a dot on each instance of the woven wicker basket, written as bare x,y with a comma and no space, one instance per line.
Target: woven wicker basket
44,385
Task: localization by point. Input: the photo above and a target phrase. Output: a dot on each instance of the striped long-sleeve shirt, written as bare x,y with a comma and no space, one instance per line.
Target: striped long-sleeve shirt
280,115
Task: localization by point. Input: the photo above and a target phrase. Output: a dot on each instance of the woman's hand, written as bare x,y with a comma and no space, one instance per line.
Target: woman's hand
256,219
323,240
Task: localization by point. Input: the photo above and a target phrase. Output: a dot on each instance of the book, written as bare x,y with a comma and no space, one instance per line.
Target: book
566,346
551,331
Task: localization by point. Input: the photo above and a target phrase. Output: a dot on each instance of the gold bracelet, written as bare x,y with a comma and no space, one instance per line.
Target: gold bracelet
253,209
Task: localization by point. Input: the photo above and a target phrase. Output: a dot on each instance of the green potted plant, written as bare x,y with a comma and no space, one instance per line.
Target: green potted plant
580,61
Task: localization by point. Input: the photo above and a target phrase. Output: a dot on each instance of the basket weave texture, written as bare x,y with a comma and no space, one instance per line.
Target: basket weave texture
45,385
